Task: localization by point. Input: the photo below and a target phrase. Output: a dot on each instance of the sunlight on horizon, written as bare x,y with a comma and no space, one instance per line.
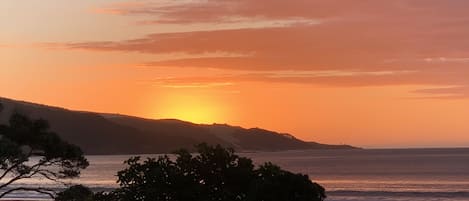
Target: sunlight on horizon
320,70
200,110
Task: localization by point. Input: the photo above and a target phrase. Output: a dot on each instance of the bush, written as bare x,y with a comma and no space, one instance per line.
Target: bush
214,174
76,193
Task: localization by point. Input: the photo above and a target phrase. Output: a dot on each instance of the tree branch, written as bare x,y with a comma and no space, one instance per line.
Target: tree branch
15,166
36,169
14,179
30,173
46,191
9,170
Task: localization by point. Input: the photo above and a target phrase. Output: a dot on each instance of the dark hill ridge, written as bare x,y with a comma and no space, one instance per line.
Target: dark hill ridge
119,134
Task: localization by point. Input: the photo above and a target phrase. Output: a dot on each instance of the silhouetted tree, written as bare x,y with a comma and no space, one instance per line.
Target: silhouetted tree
76,193
274,184
106,196
54,159
213,174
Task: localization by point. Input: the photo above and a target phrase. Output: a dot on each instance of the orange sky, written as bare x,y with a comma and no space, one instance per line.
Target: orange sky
372,73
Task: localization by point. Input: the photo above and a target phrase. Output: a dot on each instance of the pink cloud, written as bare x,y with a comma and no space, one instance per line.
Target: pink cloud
446,92
353,36
226,10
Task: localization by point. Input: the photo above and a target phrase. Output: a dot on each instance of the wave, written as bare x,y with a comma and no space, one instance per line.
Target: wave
455,194
341,193
26,195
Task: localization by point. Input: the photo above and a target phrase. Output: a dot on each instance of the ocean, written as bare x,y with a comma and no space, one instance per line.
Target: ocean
347,175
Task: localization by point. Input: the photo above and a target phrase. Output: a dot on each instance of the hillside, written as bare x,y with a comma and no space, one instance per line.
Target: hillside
118,134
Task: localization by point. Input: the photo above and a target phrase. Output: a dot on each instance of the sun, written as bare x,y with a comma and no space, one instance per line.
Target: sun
194,113
195,109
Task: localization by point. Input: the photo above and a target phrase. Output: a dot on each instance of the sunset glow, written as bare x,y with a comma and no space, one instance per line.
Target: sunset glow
187,107
368,73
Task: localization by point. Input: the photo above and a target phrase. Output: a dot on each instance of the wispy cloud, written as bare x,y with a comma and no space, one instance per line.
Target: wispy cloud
336,73
446,59
335,78
198,85
450,92
208,11
346,43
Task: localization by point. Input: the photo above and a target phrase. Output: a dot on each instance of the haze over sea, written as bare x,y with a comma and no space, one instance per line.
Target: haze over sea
348,175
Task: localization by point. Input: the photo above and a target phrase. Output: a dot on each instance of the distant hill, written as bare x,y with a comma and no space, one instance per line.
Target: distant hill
119,134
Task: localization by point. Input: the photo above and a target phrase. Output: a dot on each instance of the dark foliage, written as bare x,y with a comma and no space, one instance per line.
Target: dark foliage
76,193
23,139
274,184
214,174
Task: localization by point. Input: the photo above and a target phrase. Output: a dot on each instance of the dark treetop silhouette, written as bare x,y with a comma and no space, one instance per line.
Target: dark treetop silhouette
213,174
23,139
77,193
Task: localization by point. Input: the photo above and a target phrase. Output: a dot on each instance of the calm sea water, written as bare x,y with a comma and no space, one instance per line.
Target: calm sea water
348,175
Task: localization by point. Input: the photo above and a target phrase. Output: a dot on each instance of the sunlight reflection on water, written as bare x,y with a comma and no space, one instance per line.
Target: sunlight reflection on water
348,175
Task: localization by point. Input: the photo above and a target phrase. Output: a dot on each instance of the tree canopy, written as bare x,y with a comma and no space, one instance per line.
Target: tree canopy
28,149
212,174
76,193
